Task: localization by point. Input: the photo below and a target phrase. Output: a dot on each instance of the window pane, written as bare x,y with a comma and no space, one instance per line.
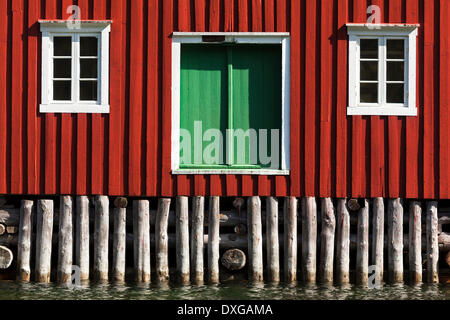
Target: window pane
369,70
62,90
369,92
395,49
395,71
88,46
369,48
62,68
88,68
88,90
395,93
62,46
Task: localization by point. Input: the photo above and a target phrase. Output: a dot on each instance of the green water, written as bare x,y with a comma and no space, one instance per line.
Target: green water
33,291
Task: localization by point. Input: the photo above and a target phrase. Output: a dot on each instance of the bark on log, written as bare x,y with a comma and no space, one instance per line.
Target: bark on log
343,243
198,217
82,236
119,245
65,250
447,258
327,241
101,238
432,243
24,241
415,242
255,240
141,231
272,241
378,239
395,238
44,229
161,241
290,240
6,258
362,251
182,235
309,239
2,229
234,260
214,240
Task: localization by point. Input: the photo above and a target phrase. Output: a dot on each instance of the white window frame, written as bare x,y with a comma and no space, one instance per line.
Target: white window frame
382,32
281,38
51,29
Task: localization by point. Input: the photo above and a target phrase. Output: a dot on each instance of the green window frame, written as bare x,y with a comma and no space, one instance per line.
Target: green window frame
233,88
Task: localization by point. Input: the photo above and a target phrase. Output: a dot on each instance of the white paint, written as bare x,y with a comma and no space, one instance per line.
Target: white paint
99,29
382,32
281,38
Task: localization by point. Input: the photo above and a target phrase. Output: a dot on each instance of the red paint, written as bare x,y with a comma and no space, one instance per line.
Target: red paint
128,152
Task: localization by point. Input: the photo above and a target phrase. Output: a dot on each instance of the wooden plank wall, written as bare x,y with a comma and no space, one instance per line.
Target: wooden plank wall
128,151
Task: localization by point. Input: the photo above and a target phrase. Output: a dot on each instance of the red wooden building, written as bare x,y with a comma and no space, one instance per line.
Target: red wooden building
126,145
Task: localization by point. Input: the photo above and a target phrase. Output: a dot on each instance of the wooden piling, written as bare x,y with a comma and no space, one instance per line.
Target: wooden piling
24,242
44,232
213,240
415,242
378,238
198,217
161,240
65,241
182,236
395,240
141,232
272,244
309,239
432,243
327,241
254,225
362,249
342,243
82,236
101,233
290,240
119,244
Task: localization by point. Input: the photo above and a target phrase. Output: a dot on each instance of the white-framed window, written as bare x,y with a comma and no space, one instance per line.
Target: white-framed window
225,84
75,67
382,69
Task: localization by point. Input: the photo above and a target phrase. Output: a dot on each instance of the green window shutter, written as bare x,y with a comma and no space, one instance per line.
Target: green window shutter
232,87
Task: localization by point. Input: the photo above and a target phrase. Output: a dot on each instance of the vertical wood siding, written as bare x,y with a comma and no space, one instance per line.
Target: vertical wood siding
128,152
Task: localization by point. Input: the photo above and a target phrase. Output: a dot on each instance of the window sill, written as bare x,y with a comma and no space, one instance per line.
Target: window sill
381,111
260,172
73,108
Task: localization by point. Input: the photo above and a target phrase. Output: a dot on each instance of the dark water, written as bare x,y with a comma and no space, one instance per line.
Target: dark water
32,291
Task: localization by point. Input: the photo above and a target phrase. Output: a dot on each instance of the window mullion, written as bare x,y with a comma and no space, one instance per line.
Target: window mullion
230,143
382,66
76,64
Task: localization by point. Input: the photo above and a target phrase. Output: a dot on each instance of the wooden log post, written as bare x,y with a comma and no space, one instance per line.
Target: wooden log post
44,232
141,232
24,242
162,240
182,236
119,244
395,240
65,241
290,240
362,249
309,239
415,242
101,238
82,236
378,239
198,219
327,241
272,241
255,240
342,243
213,240
432,243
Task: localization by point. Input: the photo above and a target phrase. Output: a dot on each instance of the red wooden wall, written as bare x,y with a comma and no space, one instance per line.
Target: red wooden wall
128,152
